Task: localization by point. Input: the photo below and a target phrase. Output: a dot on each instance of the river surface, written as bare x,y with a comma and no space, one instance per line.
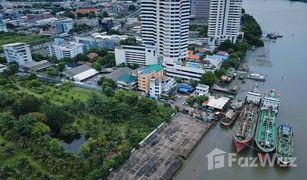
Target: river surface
285,63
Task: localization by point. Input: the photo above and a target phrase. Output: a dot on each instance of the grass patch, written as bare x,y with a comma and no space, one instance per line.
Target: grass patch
6,38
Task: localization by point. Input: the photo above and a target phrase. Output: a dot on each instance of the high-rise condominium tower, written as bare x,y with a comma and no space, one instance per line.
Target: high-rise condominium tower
224,20
165,25
200,9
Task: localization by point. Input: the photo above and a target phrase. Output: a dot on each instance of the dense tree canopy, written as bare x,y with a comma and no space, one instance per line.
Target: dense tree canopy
208,78
33,115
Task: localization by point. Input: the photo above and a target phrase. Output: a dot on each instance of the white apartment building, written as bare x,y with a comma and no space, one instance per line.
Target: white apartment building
141,55
158,86
17,52
202,89
63,25
213,63
224,20
185,71
165,24
3,27
67,49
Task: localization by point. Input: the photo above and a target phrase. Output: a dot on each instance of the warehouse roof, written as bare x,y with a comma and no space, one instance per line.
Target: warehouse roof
217,102
77,70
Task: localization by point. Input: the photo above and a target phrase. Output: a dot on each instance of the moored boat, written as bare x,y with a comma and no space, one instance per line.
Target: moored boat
266,132
257,77
229,118
274,35
246,124
285,145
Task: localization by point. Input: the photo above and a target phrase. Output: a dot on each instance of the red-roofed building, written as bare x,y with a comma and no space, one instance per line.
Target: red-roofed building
190,52
192,57
86,10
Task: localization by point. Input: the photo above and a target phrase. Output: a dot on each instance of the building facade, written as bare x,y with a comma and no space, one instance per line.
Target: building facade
126,82
165,24
141,55
145,73
202,89
66,49
224,20
159,87
63,25
17,52
200,9
3,27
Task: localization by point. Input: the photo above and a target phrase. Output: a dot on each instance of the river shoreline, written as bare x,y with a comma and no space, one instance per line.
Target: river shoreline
285,68
163,152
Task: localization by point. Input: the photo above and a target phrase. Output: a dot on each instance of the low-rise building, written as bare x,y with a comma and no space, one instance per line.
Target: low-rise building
99,41
213,63
2,68
127,82
118,72
86,10
159,87
65,49
36,66
93,22
185,88
218,103
17,52
63,25
187,71
88,42
145,73
202,89
80,73
141,55
3,27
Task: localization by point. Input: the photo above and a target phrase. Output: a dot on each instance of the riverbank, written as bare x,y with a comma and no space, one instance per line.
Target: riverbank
162,154
285,68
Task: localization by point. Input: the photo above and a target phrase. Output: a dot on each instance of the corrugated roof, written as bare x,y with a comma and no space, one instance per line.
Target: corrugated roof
77,70
36,66
84,75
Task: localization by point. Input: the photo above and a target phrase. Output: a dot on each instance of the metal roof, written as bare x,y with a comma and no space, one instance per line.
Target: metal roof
77,70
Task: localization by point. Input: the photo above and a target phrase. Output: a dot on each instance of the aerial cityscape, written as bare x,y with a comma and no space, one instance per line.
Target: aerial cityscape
153,89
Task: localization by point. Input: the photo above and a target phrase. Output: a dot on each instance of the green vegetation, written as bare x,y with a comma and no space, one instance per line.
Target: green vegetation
202,30
104,59
208,78
8,37
252,30
132,7
34,113
80,28
252,37
89,15
196,99
37,57
69,14
128,41
220,72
